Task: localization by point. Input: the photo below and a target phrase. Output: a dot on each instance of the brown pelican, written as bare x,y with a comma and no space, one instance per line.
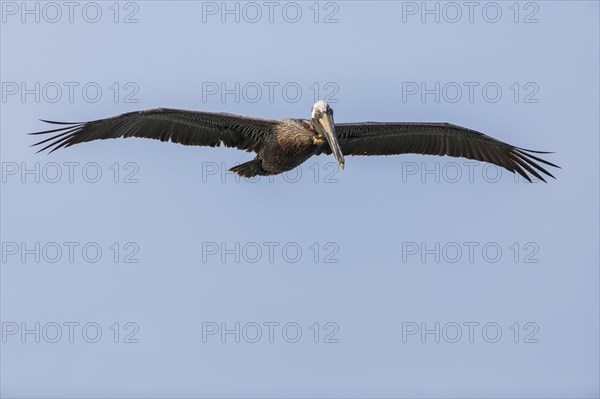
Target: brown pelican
281,145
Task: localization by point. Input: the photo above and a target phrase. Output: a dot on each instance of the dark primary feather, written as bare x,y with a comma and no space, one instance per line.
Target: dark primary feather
374,138
179,126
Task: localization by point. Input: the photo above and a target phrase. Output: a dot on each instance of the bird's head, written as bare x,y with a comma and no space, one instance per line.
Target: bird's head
322,120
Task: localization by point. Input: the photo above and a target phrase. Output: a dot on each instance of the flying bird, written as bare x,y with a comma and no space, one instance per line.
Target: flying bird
281,145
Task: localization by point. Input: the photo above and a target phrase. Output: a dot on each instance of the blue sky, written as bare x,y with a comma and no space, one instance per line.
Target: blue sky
172,260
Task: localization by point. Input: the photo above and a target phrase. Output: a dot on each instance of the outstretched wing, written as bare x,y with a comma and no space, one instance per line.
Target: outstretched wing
373,138
179,126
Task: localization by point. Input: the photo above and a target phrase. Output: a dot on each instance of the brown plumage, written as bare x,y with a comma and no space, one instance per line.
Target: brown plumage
373,138
281,145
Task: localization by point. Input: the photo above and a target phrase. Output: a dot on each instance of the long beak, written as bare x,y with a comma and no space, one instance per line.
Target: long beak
328,128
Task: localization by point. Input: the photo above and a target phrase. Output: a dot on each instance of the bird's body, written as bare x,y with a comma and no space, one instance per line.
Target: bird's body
291,143
282,145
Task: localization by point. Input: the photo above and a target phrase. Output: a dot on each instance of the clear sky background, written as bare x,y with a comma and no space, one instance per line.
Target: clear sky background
516,316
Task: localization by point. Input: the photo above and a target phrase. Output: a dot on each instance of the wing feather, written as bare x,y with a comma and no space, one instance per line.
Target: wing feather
374,138
178,126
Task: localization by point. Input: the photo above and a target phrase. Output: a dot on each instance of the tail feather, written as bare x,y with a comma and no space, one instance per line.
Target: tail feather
251,169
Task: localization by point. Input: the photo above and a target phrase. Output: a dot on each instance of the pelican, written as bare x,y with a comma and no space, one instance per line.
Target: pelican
281,145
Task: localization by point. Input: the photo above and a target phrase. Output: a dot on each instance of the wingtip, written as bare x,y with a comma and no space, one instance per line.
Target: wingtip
524,152
60,123
536,152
